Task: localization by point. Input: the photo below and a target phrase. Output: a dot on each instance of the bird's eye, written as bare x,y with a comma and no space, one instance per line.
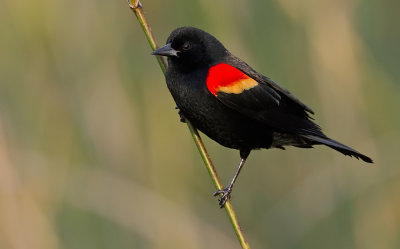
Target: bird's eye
186,46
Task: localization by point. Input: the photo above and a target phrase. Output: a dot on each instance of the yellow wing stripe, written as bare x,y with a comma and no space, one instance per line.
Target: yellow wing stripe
238,86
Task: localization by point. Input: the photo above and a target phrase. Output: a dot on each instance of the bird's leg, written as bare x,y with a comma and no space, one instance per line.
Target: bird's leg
226,192
181,116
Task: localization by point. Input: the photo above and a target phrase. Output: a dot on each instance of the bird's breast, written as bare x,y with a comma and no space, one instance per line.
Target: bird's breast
219,122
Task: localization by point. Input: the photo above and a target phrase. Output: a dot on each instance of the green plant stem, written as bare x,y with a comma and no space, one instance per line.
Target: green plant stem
137,8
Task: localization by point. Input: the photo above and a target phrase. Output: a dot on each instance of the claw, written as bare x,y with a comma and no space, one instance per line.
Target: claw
226,195
181,116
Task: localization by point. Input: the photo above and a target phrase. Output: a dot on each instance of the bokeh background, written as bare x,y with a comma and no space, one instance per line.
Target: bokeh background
92,153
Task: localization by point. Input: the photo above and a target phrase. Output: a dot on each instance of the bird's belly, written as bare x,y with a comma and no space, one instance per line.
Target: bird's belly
224,125
219,122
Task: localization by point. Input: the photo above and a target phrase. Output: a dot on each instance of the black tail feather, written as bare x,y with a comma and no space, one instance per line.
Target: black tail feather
339,147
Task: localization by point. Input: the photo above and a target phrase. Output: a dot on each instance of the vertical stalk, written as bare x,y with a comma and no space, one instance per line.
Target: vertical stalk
137,8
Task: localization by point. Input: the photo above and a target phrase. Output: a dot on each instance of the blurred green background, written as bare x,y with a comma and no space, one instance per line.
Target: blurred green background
92,153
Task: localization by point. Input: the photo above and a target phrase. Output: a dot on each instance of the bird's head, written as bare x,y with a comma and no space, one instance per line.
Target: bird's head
189,48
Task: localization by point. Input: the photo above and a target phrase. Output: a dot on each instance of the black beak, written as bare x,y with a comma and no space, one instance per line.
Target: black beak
167,50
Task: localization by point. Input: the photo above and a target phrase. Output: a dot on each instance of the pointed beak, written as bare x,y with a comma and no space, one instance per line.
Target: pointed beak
167,50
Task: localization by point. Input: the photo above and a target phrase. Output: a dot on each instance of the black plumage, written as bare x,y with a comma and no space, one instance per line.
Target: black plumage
263,115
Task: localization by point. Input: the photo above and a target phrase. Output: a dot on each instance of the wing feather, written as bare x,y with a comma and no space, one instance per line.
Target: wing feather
269,103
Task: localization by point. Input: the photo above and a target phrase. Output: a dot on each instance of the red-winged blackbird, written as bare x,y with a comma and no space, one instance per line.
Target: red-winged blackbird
234,105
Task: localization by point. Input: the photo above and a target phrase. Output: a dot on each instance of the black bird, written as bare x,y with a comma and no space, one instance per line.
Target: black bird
233,104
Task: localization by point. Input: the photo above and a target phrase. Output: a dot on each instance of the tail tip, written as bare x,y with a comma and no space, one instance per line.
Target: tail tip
365,158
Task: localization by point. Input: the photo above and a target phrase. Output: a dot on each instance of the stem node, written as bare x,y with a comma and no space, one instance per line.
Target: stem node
135,5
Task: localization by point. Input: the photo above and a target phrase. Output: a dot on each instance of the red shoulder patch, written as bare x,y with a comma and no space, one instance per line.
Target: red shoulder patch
226,78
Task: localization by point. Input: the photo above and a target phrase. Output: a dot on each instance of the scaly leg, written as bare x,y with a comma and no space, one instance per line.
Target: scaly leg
226,192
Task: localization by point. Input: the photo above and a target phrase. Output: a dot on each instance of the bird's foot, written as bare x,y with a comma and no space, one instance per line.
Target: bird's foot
226,195
181,116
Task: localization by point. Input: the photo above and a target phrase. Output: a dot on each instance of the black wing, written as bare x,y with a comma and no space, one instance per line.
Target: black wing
269,103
